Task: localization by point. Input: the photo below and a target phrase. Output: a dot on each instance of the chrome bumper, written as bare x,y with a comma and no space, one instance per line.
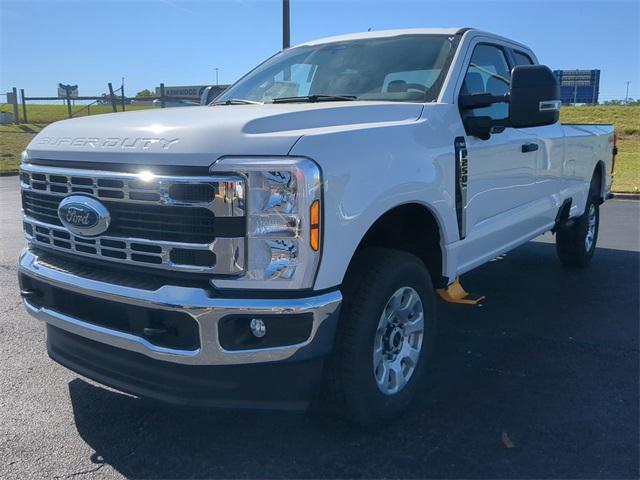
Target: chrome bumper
205,310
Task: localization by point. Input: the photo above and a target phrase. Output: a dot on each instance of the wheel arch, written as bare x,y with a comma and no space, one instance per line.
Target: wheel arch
599,173
413,228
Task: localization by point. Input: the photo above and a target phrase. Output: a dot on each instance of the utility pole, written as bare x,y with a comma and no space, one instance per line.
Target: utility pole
286,29
216,69
626,97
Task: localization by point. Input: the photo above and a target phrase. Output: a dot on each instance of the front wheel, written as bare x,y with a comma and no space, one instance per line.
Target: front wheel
386,334
576,243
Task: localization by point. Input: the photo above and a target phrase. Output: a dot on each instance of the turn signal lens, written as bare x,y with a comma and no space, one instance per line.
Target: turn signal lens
314,234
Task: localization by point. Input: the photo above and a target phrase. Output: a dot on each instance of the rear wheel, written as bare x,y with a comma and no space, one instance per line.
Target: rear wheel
386,334
576,243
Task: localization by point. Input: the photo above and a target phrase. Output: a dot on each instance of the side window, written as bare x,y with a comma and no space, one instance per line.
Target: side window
488,72
521,58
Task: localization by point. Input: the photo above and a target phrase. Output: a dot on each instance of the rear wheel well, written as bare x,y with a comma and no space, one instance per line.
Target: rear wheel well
597,180
410,228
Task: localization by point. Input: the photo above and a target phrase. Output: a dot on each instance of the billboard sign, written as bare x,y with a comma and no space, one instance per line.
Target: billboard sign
578,86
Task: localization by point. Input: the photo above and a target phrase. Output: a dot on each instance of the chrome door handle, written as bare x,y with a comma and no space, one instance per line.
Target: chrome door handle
529,147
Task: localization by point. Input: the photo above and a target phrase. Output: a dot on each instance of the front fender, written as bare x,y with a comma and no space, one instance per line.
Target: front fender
366,172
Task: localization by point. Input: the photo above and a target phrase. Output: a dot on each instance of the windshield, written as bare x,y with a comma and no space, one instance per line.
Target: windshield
407,68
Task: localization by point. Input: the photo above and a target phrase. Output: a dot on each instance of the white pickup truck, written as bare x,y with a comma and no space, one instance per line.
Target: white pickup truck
286,241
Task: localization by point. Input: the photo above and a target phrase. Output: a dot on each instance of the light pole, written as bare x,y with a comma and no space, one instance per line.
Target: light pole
216,69
626,96
286,29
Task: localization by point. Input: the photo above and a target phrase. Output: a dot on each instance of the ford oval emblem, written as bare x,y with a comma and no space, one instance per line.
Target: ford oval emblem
84,216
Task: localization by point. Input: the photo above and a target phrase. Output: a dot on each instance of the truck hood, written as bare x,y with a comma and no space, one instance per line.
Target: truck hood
197,136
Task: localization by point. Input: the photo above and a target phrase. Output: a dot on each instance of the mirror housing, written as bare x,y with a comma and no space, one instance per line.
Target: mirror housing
534,97
479,127
534,100
480,100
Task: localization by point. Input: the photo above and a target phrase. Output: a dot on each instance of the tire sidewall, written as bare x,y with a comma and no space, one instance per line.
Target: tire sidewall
583,228
570,241
592,201
364,392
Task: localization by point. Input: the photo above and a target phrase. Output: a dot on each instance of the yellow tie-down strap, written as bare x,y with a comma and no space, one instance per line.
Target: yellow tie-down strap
454,293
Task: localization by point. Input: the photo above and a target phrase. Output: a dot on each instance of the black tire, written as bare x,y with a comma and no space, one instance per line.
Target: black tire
374,276
571,243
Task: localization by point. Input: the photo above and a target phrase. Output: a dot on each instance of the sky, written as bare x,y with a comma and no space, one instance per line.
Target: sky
91,43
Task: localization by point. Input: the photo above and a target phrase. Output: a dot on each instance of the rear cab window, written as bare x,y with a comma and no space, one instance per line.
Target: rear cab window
521,58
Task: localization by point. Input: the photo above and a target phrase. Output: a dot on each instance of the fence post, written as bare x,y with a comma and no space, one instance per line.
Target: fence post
24,107
16,113
68,104
113,98
162,95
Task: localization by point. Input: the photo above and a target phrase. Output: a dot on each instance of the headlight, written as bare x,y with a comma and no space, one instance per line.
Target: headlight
283,221
24,156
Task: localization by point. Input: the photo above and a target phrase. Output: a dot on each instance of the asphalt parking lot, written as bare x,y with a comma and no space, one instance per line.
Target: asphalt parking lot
550,359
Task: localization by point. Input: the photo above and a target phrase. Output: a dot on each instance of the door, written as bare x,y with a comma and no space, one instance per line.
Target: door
550,168
501,181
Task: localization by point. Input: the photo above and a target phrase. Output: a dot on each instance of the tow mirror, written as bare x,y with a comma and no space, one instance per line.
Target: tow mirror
482,126
534,97
480,100
479,127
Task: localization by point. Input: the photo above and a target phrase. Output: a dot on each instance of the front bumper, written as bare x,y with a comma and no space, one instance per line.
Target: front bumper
120,359
274,386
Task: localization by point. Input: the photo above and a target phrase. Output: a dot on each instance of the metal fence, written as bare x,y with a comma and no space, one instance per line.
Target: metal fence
116,98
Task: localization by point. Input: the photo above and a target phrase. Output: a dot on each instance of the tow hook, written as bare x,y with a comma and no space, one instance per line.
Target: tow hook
154,332
28,293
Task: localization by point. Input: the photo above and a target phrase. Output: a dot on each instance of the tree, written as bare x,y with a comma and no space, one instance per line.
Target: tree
144,93
630,101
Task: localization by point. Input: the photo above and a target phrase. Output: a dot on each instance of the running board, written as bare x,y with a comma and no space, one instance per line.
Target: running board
454,293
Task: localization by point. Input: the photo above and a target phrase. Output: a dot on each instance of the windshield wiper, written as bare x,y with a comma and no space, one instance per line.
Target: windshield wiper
238,101
315,98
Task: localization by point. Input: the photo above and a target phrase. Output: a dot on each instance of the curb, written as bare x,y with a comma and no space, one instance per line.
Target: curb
626,196
8,174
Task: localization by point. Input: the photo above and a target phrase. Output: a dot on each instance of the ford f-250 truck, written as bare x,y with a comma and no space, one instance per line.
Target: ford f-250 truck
288,239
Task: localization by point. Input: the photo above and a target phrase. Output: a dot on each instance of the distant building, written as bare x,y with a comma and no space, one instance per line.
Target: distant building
579,86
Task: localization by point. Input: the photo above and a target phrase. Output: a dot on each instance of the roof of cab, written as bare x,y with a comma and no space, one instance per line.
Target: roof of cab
386,33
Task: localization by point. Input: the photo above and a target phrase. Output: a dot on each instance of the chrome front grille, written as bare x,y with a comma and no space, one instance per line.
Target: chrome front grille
224,196
194,224
153,222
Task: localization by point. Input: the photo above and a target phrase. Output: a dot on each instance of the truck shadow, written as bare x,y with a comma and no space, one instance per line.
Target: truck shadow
550,360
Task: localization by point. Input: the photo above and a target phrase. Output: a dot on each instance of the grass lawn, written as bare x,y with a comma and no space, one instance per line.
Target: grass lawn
626,120
626,177
43,114
14,138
